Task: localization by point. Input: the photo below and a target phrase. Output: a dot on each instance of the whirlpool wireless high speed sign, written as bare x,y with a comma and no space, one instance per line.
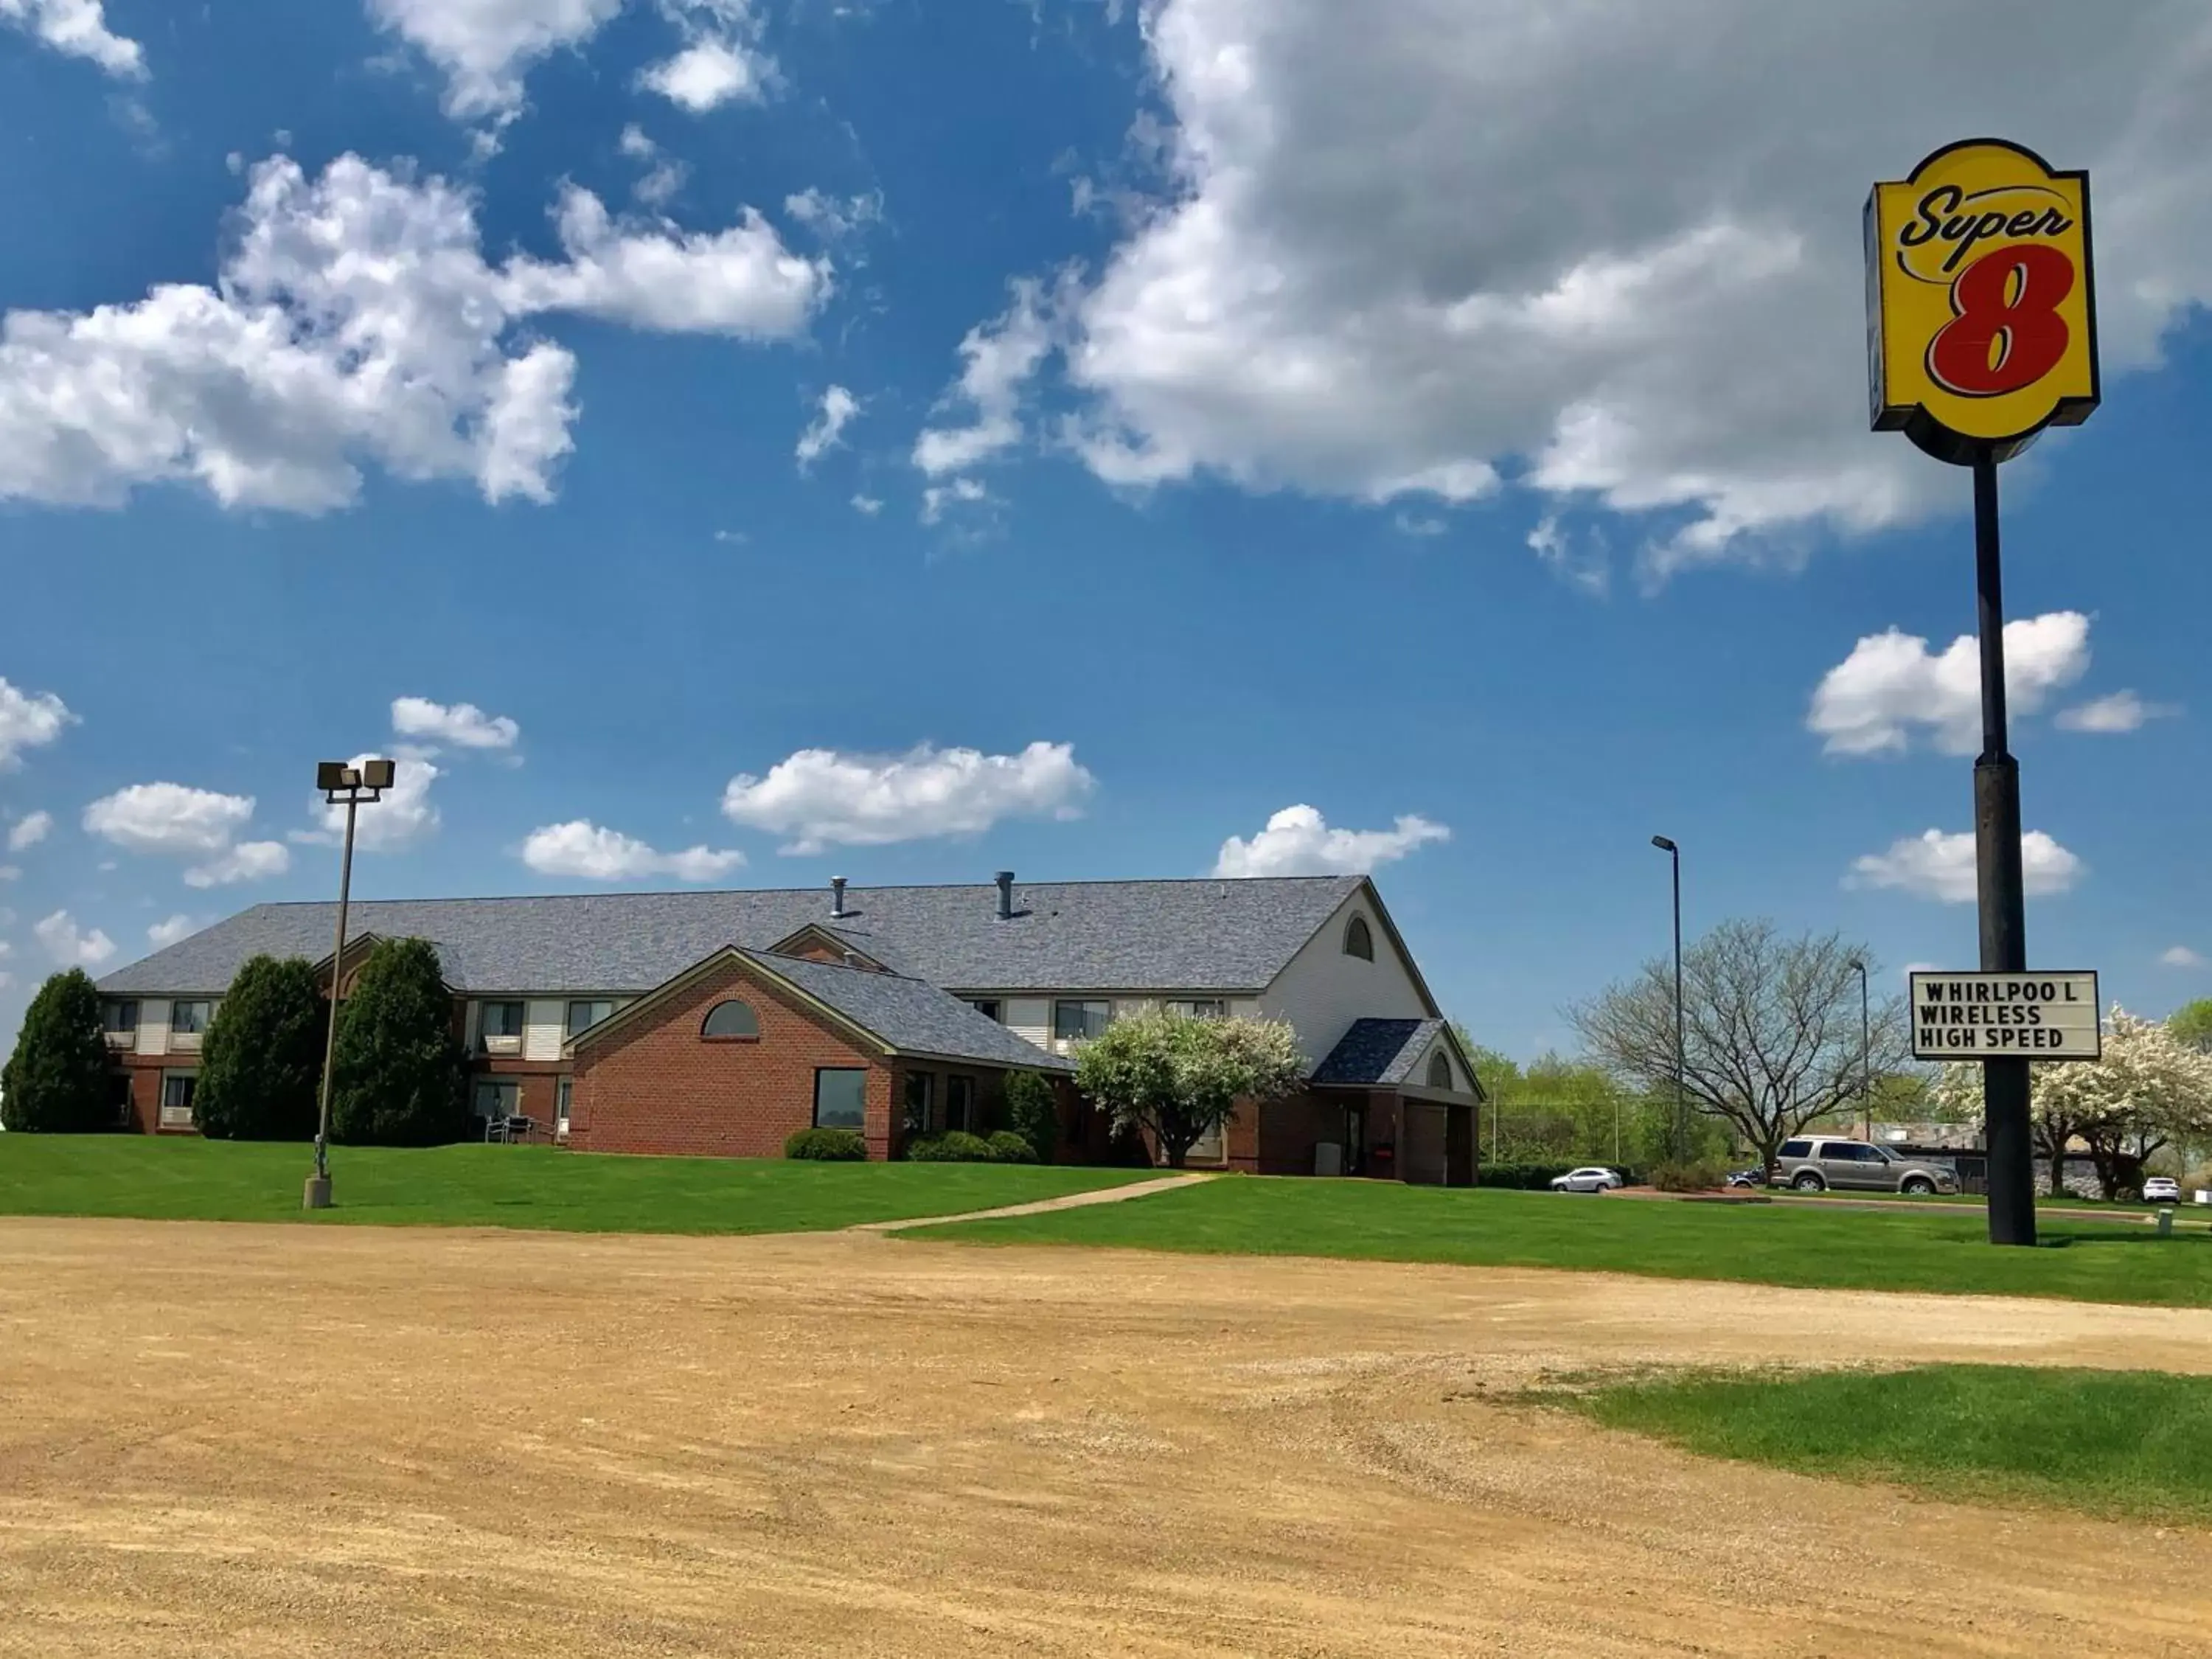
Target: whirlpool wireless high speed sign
1981,308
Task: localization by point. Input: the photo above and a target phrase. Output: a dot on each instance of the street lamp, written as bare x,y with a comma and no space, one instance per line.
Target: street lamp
348,786
1681,1125
1866,1050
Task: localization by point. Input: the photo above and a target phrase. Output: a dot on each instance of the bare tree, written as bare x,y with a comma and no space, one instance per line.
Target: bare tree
1771,1029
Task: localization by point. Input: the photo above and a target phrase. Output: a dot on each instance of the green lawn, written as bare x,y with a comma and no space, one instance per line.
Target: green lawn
1940,1248
529,1187
2135,1444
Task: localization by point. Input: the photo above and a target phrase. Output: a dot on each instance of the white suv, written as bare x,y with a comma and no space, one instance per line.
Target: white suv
1590,1180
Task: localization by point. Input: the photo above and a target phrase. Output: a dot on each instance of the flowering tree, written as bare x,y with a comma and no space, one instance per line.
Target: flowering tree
2149,1088
1180,1077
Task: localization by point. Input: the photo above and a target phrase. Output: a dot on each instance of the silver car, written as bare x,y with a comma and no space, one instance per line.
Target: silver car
1592,1179
1819,1163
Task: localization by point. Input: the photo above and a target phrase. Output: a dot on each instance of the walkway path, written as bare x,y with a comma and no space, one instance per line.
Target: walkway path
1071,1201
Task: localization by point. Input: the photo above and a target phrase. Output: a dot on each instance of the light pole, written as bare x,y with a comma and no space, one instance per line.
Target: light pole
1681,1125
1866,1050
350,786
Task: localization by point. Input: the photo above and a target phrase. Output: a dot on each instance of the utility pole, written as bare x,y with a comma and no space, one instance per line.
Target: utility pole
1681,1116
349,786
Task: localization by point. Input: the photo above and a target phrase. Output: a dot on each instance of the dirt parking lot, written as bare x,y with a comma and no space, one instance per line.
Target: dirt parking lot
281,1440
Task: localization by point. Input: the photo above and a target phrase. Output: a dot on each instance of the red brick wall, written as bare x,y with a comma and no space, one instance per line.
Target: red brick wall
660,1087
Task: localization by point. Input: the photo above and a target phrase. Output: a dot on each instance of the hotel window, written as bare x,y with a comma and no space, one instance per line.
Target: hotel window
920,1096
497,1102
563,1092
841,1097
1078,1020
1200,1007
190,1018
119,1019
502,1019
582,1015
731,1021
1207,1148
178,1089
1359,939
987,1006
960,1103
1440,1073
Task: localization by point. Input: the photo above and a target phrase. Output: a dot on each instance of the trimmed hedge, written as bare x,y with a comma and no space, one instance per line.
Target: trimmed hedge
1013,1148
954,1146
827,1146
1697,1175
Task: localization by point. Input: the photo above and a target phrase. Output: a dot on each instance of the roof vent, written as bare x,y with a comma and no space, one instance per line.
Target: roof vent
851,958
837,898
1006,880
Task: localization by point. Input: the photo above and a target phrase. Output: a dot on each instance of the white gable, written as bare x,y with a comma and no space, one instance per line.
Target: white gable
1322,990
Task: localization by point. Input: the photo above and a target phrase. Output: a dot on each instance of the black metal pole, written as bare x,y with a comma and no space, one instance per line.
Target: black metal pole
1682,1119
1866,1053
2001,887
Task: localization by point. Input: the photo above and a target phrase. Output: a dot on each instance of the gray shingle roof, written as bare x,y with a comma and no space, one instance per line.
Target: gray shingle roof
1378,1051
1204,935
912,1017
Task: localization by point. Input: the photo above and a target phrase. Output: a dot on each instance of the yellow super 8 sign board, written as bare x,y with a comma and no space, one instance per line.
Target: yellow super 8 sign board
1981,322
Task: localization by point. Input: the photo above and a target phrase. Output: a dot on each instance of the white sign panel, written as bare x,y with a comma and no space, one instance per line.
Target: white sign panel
2033,1016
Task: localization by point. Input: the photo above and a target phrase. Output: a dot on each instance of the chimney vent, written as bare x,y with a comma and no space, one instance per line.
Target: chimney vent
1006,895
837,896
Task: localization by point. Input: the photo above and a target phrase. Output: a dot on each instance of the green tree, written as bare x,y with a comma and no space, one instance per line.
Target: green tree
58,1081
1033,1113
1177,1077
398,1079
2190,1025
262,1060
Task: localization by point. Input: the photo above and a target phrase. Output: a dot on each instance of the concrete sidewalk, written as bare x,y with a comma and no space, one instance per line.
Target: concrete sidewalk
1071,1201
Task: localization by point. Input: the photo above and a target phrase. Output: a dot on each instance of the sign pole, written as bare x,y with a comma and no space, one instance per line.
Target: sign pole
2000,880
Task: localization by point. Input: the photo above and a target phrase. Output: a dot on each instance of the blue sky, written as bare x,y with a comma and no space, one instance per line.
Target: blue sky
1454,429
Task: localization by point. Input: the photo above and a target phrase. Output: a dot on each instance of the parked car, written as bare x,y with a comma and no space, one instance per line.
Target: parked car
1590,1180
1816,1163
1751,1177
2161,1189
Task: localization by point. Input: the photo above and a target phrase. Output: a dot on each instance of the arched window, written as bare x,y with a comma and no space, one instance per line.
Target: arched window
1358,940
732,1021
1439,1072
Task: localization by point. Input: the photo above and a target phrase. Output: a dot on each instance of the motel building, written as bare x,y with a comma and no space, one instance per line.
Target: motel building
719,1023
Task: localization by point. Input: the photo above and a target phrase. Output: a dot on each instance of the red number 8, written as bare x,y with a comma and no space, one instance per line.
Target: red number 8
2006,337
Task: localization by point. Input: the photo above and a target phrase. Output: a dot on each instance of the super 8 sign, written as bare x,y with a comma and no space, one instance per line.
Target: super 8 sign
1981,310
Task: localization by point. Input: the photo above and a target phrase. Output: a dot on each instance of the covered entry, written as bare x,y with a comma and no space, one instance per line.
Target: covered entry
1406,1097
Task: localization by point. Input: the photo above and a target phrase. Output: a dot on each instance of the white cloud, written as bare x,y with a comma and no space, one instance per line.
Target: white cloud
404,818
78,28
1934,865
463,725
11,872
1297,841
834,218
356,319
665,175
867,506
250,860
586,850
706,75
838,408
1002,357
1892,684
163,934
169,818
30,831
2181,956
486,46
821,797
69,945
1397,243
2122,711
961,492
28,720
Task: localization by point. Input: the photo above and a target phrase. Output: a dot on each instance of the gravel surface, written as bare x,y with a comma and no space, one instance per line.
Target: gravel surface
290,1441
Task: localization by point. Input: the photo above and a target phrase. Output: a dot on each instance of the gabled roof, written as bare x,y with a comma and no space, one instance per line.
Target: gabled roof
1200,936
1382,1052
904,1015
